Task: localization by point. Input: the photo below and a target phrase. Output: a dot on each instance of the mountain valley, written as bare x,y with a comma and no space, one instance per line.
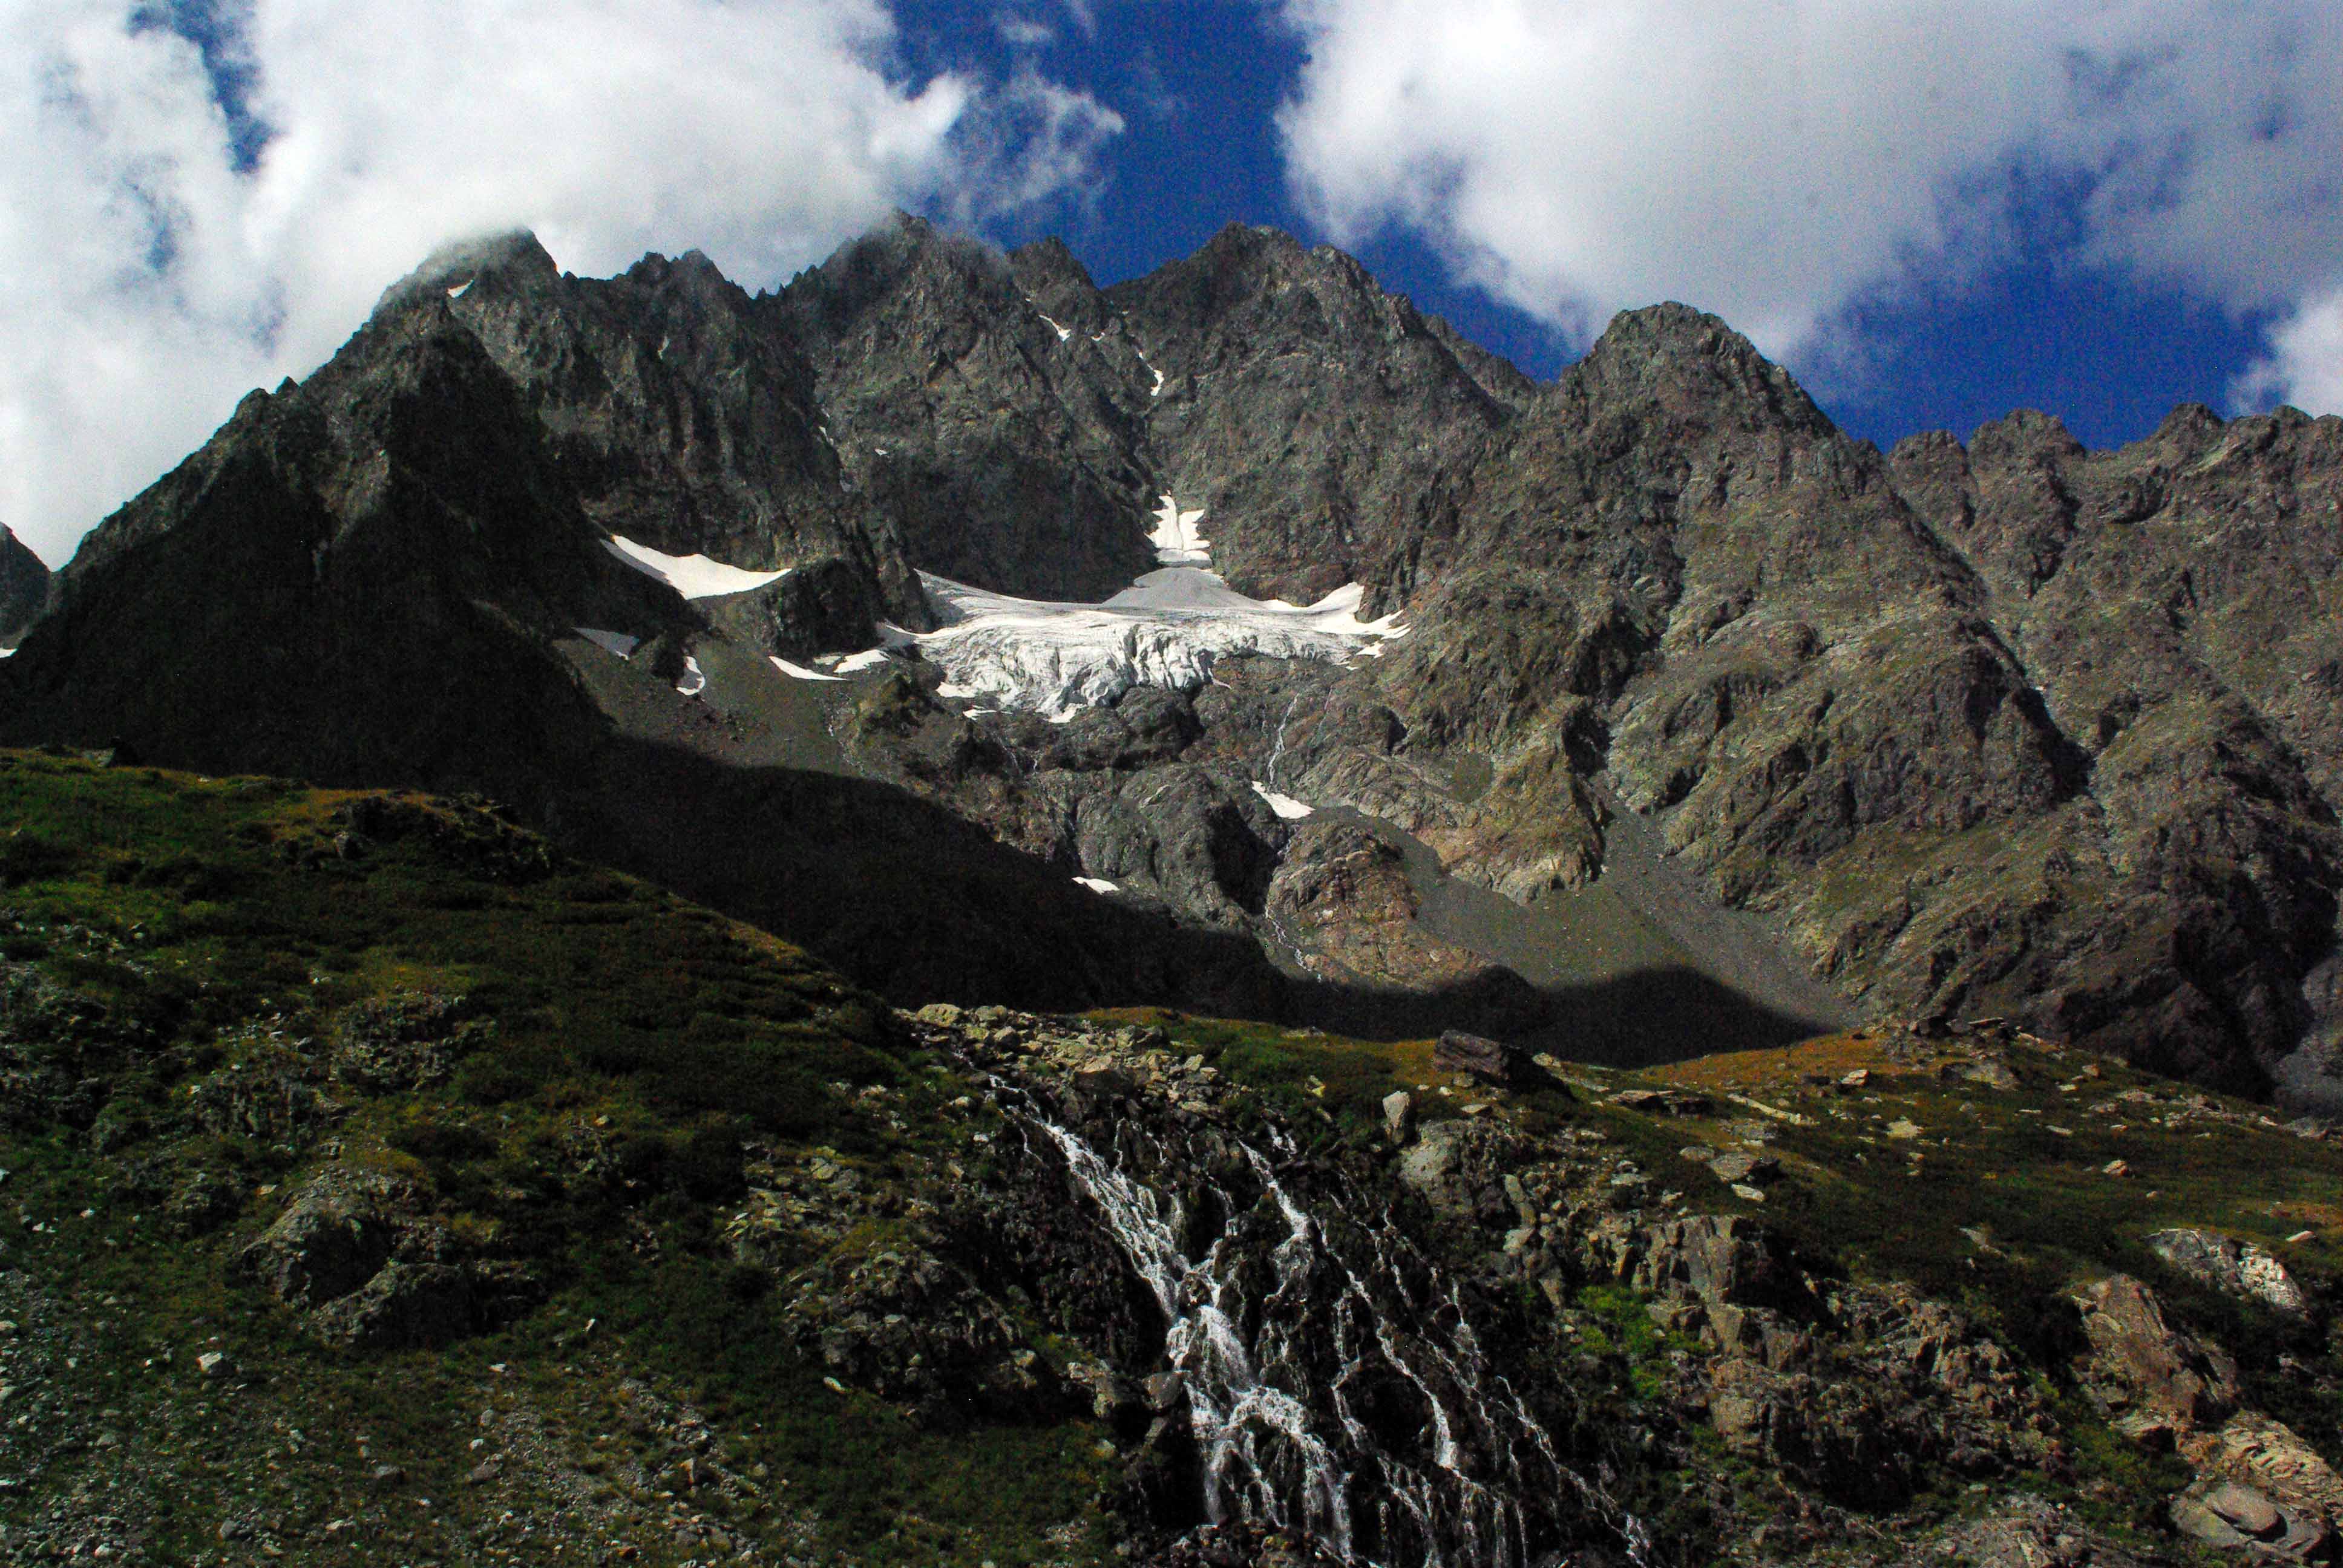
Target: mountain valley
950,916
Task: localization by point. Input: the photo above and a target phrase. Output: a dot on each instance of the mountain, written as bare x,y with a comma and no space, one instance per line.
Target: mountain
1238,637
24,587
391,1187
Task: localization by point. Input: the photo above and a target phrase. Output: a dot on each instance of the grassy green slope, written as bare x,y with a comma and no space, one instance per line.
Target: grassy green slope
194,971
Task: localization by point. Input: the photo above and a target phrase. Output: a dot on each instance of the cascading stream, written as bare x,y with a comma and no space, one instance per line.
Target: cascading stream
1304,1353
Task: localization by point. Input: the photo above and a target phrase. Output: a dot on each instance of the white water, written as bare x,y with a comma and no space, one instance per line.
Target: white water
1287,1447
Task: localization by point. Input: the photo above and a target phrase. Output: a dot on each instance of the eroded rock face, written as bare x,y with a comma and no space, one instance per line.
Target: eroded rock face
23,588
2145,1364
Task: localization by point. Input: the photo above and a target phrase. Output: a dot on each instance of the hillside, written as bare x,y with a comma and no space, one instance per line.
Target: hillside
390,1186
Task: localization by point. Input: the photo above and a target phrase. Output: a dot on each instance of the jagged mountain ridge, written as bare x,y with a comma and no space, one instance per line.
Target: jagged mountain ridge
1858,690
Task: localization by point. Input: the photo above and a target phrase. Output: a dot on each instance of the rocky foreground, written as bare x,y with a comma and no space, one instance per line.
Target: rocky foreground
386,1188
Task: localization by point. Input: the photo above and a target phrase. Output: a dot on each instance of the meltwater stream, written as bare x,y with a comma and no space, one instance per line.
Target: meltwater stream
1335,1387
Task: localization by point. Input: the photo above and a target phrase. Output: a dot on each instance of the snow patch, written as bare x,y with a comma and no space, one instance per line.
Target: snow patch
693,577
799,671
856,663
695,679
616,642
462,288
1098,884
1177,543
1063,332
1166,630
1285,805
7,653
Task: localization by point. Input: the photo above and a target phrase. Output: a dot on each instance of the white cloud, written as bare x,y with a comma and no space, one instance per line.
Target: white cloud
1023,32
2305,364
1778,163
150,283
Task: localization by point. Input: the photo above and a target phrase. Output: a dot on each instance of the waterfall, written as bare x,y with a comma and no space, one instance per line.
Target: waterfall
1335,1386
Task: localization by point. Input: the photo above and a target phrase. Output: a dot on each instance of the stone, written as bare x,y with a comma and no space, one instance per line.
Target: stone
1991,1074
1104,1081
2116,1167
1904,1130
2241,1268
214,1363
2246,1510
1736,1168
1489,1060
940,1014
1399,1115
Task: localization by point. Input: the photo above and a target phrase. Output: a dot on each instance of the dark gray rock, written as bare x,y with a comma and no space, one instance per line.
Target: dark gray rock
23,588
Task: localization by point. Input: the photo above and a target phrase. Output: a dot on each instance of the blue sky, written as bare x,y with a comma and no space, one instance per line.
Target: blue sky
1200,85
1935,211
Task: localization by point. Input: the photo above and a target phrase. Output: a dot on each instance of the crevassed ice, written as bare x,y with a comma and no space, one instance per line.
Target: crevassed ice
1166,630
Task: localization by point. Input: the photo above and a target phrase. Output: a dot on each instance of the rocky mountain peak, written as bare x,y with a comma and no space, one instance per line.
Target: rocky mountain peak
1690,363
514,260
2027,436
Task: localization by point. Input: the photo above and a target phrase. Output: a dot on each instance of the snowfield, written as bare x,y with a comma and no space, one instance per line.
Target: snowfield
1177,543
693,577
1285,805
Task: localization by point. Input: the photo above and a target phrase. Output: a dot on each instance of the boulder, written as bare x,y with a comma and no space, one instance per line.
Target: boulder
332,1237
2140,1360
1489,1060
2239,1268
404,1304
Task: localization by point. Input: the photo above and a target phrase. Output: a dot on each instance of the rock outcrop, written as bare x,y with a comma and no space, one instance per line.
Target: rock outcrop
23,588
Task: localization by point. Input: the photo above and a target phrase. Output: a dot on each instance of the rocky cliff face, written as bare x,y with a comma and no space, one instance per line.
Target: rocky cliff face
2011,729
1891,696
24,587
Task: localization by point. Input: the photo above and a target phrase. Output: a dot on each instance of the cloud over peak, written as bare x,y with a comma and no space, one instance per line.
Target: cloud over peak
176,230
